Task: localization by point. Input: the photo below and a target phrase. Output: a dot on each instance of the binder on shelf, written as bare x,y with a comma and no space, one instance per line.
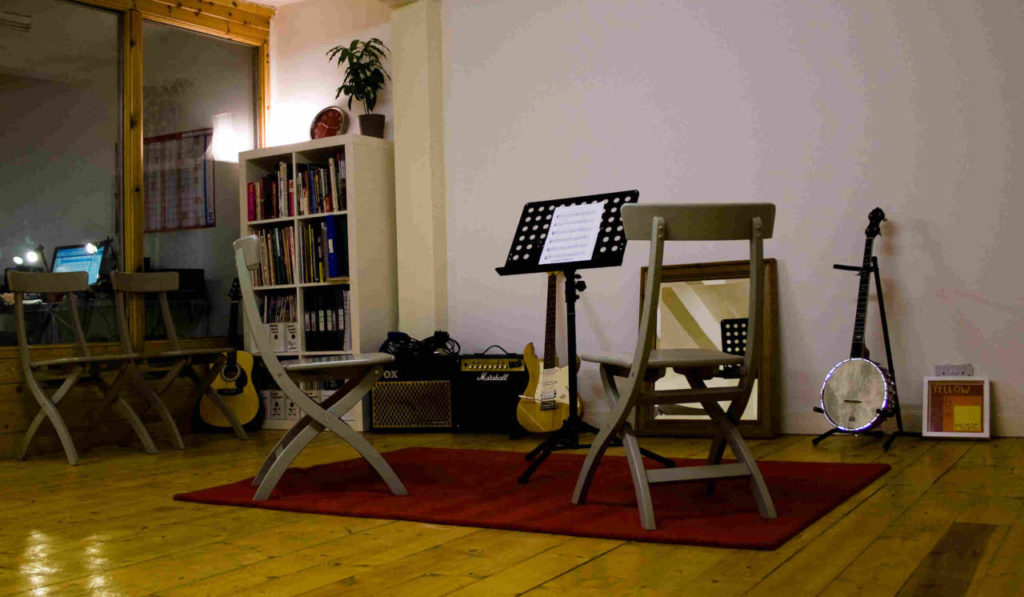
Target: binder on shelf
291,336
337,246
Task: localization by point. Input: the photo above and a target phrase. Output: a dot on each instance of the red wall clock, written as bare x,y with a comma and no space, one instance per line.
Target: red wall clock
328,122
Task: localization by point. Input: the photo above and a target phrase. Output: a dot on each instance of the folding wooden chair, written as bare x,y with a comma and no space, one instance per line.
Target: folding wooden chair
174,363
360,372
660,223
67,372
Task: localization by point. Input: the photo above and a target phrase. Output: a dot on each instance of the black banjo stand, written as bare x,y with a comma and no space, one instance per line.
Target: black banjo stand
894,407
559,235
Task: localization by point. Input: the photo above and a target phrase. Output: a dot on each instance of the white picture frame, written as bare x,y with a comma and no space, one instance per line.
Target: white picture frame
940,407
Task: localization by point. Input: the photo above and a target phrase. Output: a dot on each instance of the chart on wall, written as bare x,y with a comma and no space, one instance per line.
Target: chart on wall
178,176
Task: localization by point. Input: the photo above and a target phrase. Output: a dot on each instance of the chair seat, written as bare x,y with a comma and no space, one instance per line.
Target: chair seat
683,358
341,361
91,359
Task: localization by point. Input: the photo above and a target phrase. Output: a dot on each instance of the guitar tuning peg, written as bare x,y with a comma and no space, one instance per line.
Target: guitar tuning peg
578,276
581,285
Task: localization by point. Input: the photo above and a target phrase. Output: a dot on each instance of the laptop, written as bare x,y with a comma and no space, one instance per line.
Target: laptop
76,258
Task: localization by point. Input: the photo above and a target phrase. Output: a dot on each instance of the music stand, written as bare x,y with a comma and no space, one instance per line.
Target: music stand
573,246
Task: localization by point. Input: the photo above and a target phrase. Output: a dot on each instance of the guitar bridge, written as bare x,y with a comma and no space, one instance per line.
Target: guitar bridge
548,404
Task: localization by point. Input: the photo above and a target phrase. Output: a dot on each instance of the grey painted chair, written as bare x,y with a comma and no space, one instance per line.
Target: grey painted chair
66,373
171,364
695,222
360,372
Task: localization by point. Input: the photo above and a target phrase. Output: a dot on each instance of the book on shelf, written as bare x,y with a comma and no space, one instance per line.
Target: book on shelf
336,164
270,196
277,254
320,188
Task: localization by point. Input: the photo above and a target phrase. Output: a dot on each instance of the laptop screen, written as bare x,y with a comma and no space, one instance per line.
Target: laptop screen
77,259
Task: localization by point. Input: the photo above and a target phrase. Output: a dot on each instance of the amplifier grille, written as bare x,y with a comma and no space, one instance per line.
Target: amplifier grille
411,404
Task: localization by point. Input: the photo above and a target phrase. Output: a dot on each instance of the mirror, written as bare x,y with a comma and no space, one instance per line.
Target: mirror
701,306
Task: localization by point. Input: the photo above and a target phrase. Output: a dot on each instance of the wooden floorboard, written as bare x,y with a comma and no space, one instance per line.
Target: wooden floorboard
949,514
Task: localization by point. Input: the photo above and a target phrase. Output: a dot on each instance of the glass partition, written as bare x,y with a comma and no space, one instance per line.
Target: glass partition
60,158
198,113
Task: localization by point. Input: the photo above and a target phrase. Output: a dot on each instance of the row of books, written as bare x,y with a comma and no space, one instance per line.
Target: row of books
314,189
324,249
328,320
277,254
321,188
272,196
277,308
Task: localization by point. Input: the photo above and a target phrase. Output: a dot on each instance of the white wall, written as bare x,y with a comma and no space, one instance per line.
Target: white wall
826,109
302,81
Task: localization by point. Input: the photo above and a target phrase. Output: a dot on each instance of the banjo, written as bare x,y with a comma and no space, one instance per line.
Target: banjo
857,391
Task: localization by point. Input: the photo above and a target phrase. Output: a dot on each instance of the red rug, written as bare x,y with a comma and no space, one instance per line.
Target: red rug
478,488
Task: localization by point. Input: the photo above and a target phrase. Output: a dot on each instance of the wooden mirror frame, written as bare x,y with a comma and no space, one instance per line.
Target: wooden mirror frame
647,424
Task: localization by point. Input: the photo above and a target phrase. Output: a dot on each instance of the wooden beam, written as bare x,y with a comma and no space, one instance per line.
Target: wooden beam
250,7
262,93
187,19
133,203
232,14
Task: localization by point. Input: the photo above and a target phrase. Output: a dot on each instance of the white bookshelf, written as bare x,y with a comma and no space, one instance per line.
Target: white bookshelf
370,222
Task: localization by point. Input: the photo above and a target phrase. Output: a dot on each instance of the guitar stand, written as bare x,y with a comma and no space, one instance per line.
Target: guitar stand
524,257
567,437
894,408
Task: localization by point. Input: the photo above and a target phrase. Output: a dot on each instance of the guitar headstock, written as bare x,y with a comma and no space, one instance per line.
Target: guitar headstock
874,219
235,294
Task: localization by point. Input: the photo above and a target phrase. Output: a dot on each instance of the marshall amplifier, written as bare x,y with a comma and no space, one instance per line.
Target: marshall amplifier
487,389
415,395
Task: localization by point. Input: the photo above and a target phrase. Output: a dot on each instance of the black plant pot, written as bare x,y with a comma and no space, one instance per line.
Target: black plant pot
371,125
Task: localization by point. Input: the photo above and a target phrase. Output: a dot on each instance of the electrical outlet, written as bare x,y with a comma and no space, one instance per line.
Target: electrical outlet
964,370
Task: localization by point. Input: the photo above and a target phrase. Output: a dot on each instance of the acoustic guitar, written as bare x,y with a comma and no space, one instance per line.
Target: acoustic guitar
858,392
544,405
234,384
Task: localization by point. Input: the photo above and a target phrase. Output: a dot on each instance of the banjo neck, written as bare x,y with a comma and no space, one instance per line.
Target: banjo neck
857,349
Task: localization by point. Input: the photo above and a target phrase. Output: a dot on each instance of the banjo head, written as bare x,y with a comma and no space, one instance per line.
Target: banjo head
853,393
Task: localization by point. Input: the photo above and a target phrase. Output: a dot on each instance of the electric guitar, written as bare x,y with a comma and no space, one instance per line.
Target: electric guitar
234,384
858,392
544,405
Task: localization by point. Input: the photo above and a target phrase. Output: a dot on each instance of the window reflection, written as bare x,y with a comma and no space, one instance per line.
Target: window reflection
59,152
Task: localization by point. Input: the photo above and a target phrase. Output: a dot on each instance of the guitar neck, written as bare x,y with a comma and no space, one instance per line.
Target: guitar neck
550,353
857,346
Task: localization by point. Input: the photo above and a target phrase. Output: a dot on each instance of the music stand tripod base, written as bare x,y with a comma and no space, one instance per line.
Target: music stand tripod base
533,231
894,411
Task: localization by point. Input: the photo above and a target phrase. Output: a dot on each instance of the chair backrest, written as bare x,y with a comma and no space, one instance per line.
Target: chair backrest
66,283
700,222
247,259
159,283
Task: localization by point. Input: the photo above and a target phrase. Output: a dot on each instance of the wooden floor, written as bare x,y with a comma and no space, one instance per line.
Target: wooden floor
947,520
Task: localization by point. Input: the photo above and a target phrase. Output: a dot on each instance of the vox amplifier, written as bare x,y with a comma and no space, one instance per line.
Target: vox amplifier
487,389
413,398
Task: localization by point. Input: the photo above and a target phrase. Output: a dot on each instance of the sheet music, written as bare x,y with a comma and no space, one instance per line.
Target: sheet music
573,233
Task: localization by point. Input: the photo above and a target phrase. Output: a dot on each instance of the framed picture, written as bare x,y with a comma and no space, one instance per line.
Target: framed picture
697,306
956,407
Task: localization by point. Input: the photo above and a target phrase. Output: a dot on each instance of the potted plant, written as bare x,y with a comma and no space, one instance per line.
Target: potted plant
364,78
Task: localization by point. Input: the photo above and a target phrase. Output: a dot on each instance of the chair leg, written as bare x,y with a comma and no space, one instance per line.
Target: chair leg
639,474
330,419
739,447
140,384
112,398
48,410
202,387
603,439
129,415
301,424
